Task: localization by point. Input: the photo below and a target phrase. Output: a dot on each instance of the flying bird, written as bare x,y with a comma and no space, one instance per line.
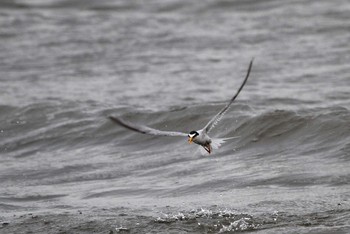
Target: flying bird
199,137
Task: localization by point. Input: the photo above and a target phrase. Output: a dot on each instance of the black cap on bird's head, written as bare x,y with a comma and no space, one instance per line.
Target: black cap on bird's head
192,135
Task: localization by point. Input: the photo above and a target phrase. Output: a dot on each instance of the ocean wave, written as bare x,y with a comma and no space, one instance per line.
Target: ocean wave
154,5
78,124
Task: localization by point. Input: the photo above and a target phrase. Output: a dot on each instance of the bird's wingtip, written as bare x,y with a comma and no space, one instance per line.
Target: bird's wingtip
114,119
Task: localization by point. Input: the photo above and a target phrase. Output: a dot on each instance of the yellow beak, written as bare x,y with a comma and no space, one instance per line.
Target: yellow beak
190,140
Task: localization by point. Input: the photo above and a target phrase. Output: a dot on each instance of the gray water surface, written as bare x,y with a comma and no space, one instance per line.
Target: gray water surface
65,66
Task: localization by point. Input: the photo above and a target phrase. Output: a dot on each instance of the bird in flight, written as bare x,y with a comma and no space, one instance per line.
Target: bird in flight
199,137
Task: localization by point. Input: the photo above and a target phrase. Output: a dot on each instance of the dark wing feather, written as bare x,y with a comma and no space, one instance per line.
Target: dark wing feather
144,129
210,125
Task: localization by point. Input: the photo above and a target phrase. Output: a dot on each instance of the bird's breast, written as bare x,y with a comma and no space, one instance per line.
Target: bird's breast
202,140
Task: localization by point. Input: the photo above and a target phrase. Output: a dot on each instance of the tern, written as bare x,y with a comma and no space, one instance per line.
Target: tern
199,137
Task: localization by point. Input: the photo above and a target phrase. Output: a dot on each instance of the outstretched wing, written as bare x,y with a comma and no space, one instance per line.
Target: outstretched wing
210,125
144,129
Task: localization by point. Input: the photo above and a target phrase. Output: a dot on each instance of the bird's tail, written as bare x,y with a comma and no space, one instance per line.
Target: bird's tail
217,142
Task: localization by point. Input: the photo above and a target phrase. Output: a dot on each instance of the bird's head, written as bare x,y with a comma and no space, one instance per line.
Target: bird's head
192,135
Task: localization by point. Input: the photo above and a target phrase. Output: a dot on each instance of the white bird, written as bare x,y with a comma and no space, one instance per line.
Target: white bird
199,137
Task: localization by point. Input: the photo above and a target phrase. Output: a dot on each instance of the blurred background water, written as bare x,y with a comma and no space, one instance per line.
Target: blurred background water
65,65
